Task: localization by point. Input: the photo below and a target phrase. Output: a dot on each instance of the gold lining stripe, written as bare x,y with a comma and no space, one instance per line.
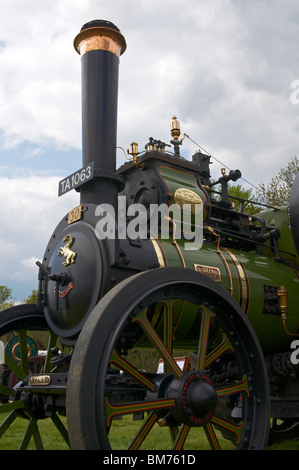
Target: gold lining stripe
231,287
243,281
158,251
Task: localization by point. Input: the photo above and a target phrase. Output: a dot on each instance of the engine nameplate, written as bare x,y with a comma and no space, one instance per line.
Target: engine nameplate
39,380
210,271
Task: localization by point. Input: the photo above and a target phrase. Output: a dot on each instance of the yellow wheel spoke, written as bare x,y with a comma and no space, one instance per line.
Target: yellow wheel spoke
131,370
143,431
152,335
224,346
203,339
211,436
238,387
129,408
233,429
181,437
24,351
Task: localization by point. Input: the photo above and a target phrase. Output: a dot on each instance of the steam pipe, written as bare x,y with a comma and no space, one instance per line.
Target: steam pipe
100,45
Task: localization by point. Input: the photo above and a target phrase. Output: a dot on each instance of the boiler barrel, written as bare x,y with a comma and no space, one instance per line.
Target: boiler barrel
254,281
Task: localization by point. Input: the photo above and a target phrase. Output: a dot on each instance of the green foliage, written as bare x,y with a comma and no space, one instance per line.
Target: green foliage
144,359
6,299
31,299
242,198
277,192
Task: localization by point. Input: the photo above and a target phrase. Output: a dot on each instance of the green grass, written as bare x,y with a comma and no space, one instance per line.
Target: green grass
123,431
51,438
120,434
287,445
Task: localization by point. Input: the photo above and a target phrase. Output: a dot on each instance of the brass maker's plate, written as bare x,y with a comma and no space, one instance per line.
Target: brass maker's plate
210,271
39,380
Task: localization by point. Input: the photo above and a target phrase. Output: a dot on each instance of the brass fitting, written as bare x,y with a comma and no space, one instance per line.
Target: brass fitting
282,300
134,152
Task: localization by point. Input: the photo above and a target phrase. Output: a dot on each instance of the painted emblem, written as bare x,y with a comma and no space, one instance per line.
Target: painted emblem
66,251
66,292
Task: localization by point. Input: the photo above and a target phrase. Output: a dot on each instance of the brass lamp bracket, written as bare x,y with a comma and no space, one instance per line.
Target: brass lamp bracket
134,152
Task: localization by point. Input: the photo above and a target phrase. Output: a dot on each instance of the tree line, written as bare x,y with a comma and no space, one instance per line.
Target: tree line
6,297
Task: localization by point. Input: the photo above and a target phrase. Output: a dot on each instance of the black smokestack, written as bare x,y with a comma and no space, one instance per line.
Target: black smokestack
100,45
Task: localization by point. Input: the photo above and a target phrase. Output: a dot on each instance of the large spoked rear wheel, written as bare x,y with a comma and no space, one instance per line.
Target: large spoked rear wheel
25,420
117,400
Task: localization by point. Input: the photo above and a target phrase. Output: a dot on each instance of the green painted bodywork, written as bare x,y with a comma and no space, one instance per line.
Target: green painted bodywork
279,219
177,179
244,273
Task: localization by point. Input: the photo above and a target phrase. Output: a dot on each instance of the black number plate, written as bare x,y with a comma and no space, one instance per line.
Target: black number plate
76,179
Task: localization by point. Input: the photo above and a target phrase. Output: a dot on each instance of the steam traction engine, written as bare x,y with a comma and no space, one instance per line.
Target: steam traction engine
230,306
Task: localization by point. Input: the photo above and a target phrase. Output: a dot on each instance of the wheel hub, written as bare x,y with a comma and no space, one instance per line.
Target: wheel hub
196,398
199,398
33,403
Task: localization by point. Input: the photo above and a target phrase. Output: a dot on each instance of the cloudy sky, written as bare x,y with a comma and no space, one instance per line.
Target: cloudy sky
226,68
